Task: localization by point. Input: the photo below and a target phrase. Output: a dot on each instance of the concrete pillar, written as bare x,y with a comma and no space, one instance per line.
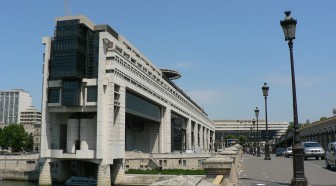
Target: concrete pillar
45,173
201,137
333,136
104,176
165,129
189,134
84,134
117,173
72,134
195,136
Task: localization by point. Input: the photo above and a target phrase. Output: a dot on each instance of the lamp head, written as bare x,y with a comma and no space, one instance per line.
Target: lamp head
265,89
256,111
288,26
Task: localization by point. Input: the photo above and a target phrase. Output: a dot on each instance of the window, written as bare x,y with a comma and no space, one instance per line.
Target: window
53,95
184,162
91,94
71,93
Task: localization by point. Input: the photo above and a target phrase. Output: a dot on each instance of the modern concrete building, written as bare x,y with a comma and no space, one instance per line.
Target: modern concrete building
16,108
246,128
31,120
102,97
12,104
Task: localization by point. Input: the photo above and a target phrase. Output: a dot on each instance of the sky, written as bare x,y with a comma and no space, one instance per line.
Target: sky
224,49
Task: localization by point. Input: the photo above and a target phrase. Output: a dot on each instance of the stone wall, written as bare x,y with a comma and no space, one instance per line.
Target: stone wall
186,161
19,167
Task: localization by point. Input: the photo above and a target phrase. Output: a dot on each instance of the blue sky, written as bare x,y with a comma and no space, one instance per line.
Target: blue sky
225,50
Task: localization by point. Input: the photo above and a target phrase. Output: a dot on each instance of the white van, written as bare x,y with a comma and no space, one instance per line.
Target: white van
330,158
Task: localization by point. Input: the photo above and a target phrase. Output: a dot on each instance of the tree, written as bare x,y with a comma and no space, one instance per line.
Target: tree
323,118
29,142
242,140
15,137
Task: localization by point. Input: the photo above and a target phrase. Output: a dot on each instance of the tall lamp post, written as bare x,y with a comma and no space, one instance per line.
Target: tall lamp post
254,139
289,25
265,89
256,111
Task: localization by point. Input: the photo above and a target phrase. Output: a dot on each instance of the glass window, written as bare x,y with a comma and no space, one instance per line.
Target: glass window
53,95
71,93
91,94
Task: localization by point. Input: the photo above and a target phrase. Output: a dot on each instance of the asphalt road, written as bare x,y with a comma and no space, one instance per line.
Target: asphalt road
256,171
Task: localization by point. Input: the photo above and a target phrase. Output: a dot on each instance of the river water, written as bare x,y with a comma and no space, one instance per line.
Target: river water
21,183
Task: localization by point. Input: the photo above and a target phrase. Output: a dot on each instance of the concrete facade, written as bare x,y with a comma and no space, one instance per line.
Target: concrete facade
246,128
323,132
12,103
137,108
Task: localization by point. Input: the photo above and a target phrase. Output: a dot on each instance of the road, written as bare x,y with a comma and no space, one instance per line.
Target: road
256,171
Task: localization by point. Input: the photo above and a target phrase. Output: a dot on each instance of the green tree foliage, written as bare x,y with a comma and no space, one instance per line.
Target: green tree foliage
242,140
15,137
323,118
1,138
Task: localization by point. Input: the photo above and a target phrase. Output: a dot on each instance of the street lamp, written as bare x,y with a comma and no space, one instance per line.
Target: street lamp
265,89
254,139
258,146
289,26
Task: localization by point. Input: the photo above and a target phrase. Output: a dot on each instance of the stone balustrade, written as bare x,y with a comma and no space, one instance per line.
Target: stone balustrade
225,163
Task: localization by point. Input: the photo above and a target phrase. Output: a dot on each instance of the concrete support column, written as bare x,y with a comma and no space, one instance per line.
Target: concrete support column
204,138
45,173
189,134
195,136
325,140
200,137
333,136
208,139
117,173
104,176
165,129
117,130
72,135
84,134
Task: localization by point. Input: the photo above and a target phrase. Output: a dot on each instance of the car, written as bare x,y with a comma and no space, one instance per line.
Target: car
288,152
280,151
313,149
330,158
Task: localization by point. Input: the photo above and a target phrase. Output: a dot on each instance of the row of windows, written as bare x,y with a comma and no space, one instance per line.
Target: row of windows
143,106
180,98
71,94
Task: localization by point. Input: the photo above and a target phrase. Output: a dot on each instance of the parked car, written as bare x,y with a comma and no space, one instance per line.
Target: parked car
280,151
288,152
313,149
330,158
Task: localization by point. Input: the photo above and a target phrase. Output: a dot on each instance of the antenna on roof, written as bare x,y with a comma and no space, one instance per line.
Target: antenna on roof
67,8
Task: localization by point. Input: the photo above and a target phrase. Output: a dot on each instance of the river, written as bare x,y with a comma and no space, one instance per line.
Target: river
21,183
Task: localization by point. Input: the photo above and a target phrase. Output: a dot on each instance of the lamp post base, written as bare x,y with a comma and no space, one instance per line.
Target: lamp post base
299,182
267,152
258,152
299,178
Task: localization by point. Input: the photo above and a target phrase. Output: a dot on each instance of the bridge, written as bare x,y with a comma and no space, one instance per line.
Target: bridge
323,132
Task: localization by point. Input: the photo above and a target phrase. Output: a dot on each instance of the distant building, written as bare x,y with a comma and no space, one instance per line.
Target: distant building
16,108
246,128
12,104
31,119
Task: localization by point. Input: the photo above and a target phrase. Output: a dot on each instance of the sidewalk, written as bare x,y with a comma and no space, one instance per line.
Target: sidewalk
256,171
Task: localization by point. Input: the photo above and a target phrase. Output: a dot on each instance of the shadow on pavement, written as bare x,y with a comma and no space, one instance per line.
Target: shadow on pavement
268,183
